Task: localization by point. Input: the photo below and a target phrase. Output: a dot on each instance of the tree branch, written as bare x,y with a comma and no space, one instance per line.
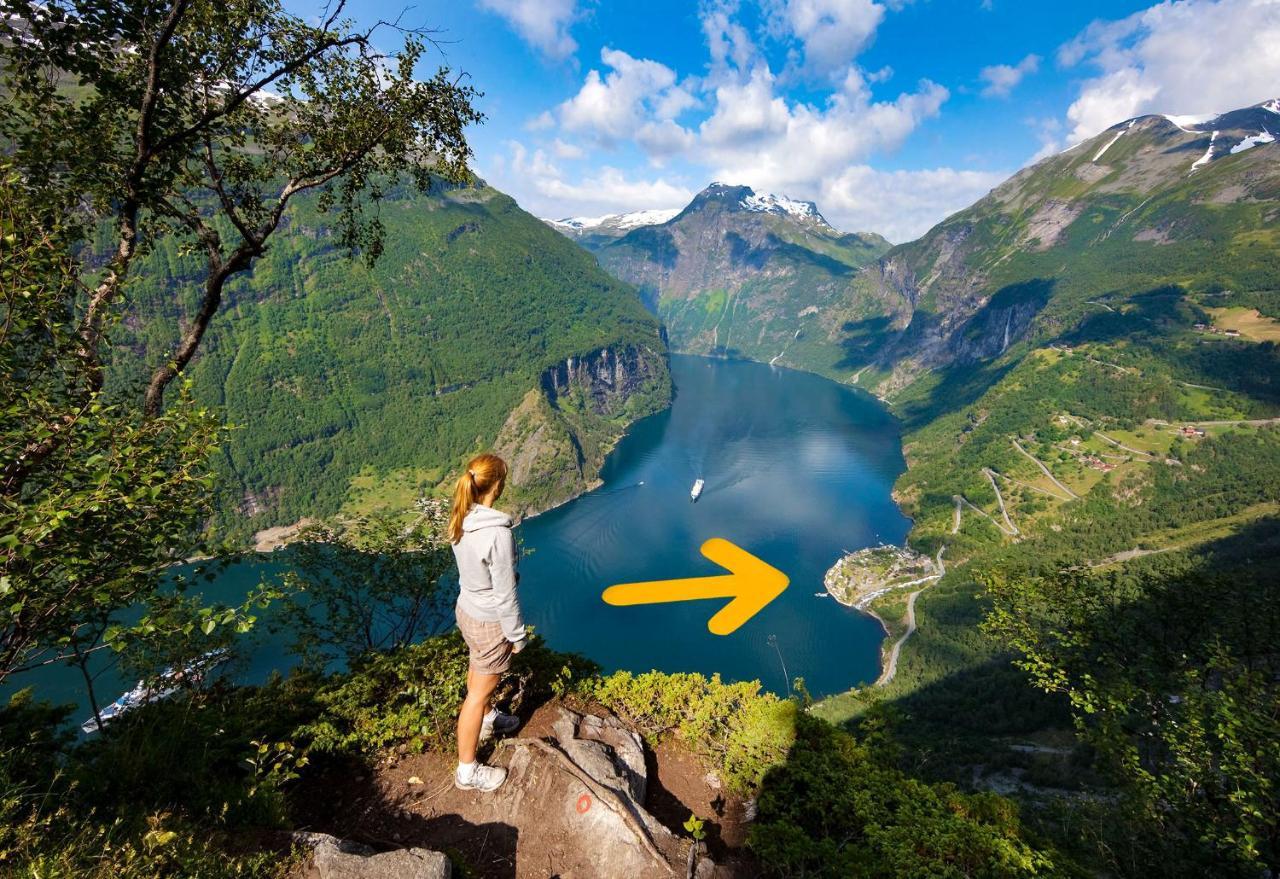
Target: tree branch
106,291
210,116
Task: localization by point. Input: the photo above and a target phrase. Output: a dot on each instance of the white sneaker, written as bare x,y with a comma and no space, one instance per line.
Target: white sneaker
481,778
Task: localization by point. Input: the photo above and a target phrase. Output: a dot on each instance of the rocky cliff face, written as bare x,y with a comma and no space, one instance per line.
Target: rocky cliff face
556,439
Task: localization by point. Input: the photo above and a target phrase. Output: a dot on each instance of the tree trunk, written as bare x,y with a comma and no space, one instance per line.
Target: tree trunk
160,379
82,662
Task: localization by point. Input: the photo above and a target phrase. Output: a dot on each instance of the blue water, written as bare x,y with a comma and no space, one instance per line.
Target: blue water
798,470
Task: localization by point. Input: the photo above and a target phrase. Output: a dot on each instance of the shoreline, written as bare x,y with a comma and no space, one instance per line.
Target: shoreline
856,568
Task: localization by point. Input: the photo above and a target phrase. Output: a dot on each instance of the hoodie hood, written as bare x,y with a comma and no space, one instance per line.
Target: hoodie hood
481,516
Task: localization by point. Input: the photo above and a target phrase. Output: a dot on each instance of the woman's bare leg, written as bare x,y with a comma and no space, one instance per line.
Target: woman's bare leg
480,688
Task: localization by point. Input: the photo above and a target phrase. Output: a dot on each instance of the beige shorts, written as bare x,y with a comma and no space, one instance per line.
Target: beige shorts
490,649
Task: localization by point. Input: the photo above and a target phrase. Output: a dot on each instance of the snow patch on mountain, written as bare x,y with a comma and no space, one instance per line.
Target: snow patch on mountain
1253,141
780,204
628,221
1208,154
1111,142
1187,123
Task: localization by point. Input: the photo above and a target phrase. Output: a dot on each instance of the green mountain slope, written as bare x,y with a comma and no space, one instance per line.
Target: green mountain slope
743,275
1144,204
355,388
1108,262
1086,365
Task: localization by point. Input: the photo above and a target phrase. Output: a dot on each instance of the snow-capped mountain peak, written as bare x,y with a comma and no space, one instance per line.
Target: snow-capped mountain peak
781,204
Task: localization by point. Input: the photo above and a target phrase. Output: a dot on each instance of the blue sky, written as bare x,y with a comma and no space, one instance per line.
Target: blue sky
890,114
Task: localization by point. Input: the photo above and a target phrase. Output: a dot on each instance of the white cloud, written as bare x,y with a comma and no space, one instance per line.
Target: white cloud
567,150
884,74
727,41
1001,79
544,121
633,95
1047,131
542,188
544,24
756,136
832,32
1180,56
534,165
900,205
664,138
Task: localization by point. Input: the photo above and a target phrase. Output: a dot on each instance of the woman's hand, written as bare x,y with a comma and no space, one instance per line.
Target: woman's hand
517,646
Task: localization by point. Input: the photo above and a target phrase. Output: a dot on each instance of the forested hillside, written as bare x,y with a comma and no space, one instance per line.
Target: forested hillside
1085,362
354,388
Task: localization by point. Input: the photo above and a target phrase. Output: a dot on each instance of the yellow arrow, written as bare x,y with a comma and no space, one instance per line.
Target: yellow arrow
752,585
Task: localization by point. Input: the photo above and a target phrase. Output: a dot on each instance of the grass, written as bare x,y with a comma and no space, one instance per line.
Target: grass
892,610
394,491
1248,322
1154,440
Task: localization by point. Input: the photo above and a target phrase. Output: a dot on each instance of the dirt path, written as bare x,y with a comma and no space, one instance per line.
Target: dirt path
1010,528
1035,488
1251,422
961,499
1119,445
1079,454
1045,470
891,664
955,519
1202,387
1116,366
1135,553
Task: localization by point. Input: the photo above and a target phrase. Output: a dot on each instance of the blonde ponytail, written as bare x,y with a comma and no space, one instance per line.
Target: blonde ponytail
483,474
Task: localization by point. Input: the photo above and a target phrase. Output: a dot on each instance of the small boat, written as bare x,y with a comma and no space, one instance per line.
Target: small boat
168,683
697,489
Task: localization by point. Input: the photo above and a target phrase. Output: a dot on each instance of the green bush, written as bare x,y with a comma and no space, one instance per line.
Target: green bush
53,845
742,731
410,697
95,810
836,808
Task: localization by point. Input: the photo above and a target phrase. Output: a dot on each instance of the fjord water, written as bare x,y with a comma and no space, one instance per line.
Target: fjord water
798,470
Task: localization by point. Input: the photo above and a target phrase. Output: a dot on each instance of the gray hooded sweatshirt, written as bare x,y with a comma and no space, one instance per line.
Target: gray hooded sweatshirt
487,561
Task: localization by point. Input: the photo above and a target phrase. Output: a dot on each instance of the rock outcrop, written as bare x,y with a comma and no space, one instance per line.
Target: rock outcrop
557,438
331,861
584,787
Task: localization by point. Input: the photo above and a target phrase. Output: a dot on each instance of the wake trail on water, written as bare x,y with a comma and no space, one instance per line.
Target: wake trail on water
609,492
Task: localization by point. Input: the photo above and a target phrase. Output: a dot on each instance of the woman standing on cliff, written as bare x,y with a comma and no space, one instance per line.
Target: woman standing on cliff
488,611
